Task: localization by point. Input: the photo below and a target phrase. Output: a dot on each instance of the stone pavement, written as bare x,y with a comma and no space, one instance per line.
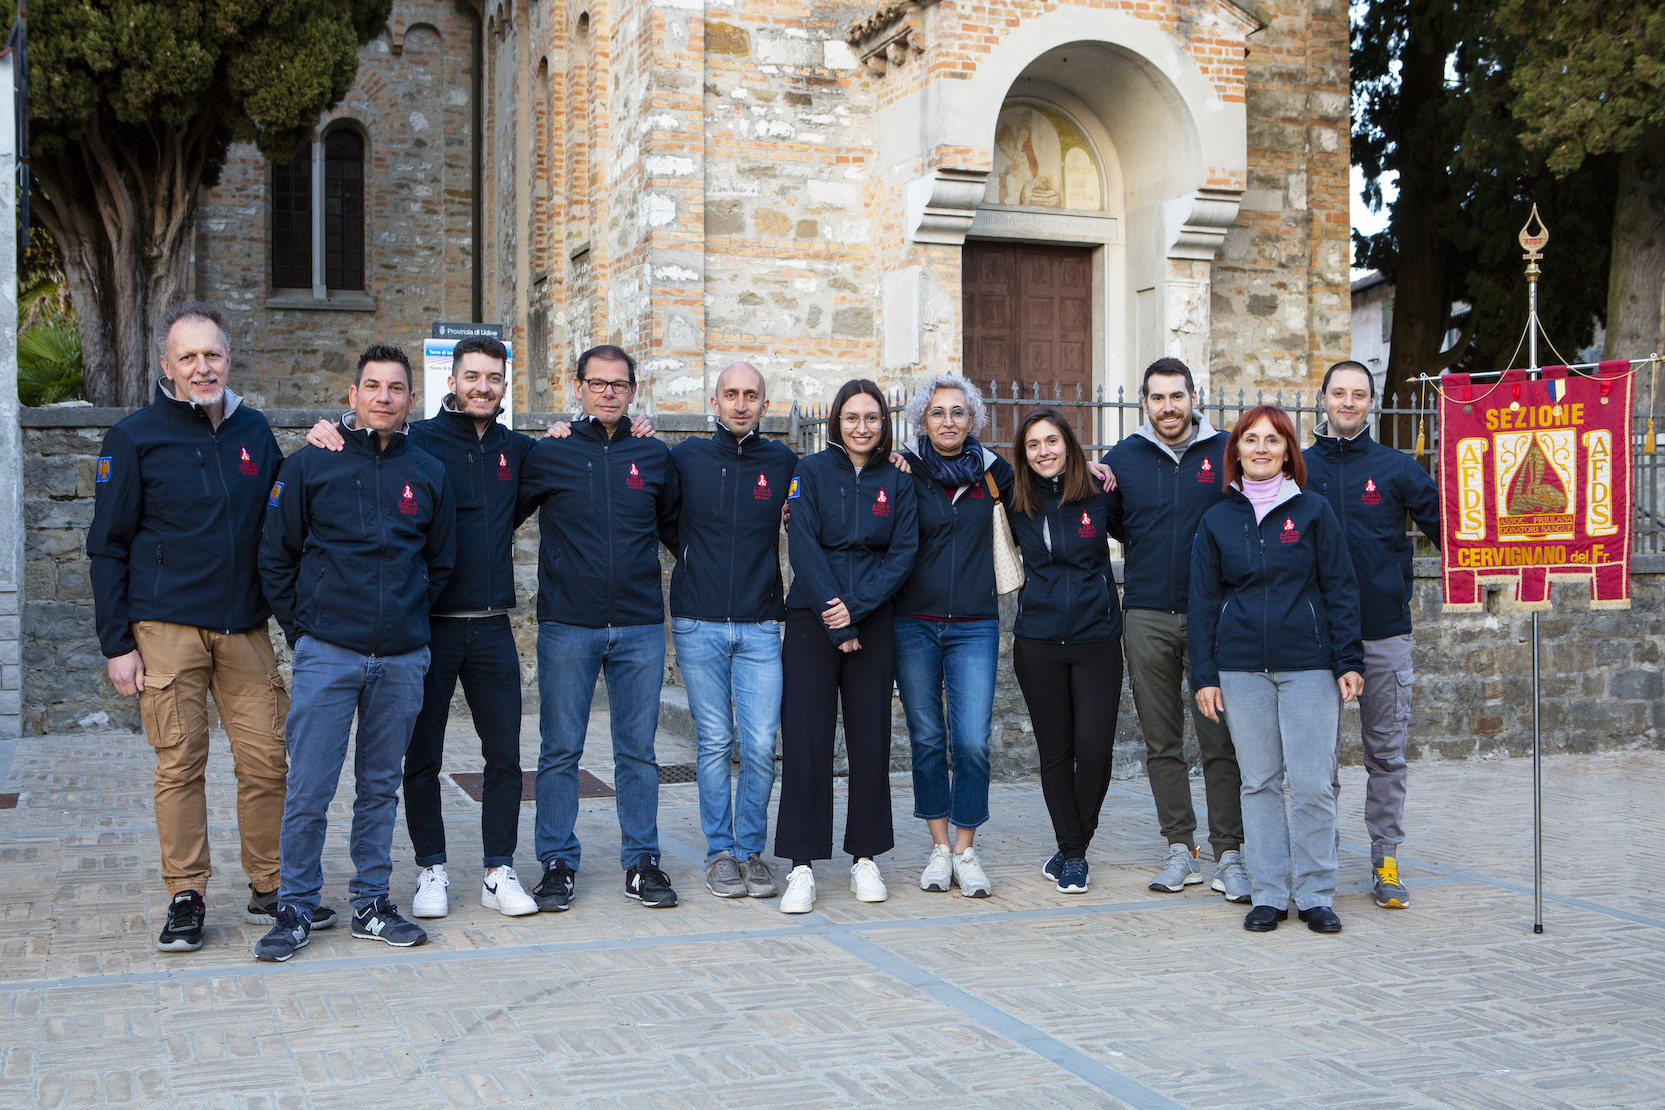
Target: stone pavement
1118,997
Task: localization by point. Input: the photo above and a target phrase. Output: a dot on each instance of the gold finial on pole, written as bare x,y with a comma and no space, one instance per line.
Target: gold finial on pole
1532,242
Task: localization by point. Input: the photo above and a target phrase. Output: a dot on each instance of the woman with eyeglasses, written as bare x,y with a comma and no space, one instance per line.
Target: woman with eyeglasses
1066,645
851,536
1273,630
948,626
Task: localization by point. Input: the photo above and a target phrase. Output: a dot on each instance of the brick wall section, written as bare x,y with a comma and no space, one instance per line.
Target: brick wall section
1603,670
413,106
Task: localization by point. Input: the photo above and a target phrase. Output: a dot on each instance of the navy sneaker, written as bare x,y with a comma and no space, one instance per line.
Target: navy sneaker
649,885
1054,867
380,920
1073,879
289,934
262,908
183,932
560,883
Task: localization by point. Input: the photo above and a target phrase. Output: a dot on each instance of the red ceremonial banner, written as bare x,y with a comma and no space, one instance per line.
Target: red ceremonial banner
1535,484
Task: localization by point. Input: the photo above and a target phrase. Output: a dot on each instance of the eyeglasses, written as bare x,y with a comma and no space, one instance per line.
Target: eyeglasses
855,419
602,385
955,415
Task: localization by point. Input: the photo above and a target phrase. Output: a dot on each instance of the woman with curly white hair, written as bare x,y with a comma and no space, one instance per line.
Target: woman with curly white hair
948,627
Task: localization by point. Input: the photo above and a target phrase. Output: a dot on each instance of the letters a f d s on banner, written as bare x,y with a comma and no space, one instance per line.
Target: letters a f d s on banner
1535,484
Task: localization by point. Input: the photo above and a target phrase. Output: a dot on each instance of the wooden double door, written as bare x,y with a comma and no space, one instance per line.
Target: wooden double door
1028,317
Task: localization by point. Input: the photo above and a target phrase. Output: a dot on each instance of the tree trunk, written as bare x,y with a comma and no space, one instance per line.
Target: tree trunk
122,201
1636,277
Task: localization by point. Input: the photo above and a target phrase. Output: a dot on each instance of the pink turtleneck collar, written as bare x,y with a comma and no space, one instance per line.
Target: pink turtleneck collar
1262,495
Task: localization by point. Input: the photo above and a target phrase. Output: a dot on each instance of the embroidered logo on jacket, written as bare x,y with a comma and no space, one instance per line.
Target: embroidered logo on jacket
277,492
244,463
761,491
407,502
1371,495
1205,472
792,490
503,471
634,478
103,468
1290,535
976,490
881,507
1088,529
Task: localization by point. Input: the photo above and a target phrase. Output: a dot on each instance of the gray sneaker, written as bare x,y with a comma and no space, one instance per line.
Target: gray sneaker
1231,878
1390,892
723,878
1181,871
760,881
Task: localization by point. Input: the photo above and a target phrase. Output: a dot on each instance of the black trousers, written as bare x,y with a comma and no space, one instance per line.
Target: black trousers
816,676
481,652
1073,692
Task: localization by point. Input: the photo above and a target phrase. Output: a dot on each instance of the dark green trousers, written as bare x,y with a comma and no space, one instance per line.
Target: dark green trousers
1156,665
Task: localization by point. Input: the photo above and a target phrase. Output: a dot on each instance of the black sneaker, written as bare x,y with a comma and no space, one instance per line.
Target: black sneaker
1054,867
289,934
183,932
262,907
1073,878
380,920
649,885
560,883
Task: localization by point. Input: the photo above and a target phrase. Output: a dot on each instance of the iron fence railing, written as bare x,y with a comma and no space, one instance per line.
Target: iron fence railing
1100,423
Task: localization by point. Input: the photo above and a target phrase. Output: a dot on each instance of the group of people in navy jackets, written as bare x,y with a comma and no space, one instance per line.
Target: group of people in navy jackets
1275,581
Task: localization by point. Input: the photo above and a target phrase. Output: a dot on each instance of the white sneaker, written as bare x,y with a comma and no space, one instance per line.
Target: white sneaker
969,873
501,891
431,899
939,870
800,891
866,883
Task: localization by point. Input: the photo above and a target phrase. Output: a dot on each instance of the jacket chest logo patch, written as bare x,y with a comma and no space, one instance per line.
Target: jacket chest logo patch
634,478
976,491
503,471
1088,529
761,491
1290,534
881,506
103,469
244,463
1205,472
407,501
1371,495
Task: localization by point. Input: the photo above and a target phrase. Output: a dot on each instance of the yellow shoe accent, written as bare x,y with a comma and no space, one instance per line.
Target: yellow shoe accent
1387,882
1389,871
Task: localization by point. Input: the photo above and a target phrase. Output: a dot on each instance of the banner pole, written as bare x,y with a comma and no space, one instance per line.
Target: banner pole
1534,244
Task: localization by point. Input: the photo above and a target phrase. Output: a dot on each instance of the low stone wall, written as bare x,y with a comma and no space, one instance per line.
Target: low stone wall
1603,670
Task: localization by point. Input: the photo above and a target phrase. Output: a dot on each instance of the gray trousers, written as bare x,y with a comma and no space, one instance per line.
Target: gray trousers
1284,725
1385,716
1156,666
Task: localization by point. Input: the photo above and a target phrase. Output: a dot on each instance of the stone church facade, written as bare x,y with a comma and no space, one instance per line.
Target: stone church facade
1038,192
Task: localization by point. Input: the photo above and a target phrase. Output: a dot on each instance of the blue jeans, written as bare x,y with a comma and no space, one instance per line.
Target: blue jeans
732,671
570,657
957,658
1284,726
331,684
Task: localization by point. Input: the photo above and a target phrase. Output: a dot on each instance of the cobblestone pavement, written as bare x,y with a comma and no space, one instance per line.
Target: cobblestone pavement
1032,998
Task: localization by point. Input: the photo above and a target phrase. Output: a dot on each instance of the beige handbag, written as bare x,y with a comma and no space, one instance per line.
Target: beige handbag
1008,560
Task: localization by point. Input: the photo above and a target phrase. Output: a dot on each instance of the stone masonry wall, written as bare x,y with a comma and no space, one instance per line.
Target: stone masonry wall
1603,670
412,105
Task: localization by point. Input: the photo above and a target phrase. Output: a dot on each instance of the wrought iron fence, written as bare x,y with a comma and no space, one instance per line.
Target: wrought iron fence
1411,426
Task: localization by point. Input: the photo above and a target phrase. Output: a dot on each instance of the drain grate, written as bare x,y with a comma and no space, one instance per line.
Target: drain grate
677,772
474,785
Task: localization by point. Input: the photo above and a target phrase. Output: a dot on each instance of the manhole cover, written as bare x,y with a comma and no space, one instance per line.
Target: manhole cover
473,784
677,772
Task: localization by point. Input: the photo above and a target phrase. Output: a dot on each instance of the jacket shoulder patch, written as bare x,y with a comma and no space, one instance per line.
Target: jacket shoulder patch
792,490
103,469
277,494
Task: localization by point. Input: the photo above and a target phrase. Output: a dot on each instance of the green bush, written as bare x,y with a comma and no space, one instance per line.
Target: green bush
49,362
